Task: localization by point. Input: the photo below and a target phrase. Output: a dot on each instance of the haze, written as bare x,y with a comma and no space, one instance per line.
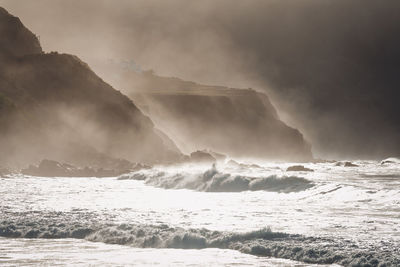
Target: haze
330,67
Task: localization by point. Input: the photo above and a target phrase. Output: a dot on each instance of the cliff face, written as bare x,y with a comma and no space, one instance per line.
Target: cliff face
16,40
238,122
54,106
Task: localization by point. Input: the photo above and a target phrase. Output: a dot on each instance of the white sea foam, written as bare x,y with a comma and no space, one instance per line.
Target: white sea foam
262,242
348,215
73,252
212,180
391,161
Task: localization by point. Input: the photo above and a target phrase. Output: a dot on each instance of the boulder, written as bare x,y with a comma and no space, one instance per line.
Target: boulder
201,156
346,164
52,168
298,168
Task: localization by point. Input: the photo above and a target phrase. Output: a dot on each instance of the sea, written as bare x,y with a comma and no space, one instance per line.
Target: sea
232,213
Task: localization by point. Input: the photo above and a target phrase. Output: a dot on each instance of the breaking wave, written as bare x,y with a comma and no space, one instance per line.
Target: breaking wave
391,161
212,180
263,242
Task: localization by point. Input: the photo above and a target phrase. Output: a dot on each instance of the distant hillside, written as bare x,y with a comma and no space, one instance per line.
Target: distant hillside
238,122
54,106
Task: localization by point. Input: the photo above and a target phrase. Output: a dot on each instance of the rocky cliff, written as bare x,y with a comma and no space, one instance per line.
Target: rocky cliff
238,122
16,40
54,106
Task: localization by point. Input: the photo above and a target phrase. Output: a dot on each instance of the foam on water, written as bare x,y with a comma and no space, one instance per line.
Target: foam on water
335,214
211,180
263,242
73,252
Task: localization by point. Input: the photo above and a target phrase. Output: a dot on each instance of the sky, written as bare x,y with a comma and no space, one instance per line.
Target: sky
331,68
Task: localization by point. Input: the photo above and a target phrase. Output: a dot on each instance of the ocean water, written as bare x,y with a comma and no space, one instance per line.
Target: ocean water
202,215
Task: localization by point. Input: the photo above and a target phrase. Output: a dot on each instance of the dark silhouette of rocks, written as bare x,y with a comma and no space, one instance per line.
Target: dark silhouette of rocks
349,164
54,106
235,122
298,168
201,156
52,168
346,164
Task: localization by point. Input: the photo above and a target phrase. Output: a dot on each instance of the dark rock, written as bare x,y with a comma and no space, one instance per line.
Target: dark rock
51,168
140,166
298,168
201,156
349,164
322,161
346,164
54,168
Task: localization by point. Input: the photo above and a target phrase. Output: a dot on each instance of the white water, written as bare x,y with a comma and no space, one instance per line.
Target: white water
72,252
360,205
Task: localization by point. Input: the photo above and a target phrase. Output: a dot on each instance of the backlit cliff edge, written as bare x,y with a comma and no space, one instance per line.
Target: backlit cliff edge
54,106
237,122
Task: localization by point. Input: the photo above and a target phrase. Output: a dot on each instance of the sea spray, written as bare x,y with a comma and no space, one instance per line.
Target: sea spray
263,242
212,180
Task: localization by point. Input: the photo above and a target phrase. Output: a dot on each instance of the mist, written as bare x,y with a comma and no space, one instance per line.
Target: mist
330,68
266,131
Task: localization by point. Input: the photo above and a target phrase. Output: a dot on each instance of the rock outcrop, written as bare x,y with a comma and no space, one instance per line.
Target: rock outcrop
54,106
201,156
346,164
236,122
298,168
51,168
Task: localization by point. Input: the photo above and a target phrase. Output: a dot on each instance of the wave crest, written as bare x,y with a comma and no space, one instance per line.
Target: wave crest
212,180
391,160
263,242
